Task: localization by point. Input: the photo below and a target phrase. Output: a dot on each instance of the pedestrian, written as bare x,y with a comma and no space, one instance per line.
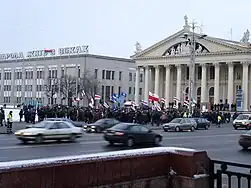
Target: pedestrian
9,122
219,119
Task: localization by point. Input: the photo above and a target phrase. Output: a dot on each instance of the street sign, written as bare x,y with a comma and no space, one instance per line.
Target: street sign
239,97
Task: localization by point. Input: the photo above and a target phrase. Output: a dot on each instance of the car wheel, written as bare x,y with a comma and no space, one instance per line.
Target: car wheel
206,127
165,130
73,138
98,130
192,129
177,129
157,140
244,147
24,141
39,139
235,127
130,142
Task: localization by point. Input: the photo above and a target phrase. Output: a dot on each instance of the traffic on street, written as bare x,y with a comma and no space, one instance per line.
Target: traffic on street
220,143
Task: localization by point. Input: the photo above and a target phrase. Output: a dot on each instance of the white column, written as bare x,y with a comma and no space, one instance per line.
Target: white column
167,86
216,83
178,83
245,85
230,88
157,77
146,97
204,84
137,85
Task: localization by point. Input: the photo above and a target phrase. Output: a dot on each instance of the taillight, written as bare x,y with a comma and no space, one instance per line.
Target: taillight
118,134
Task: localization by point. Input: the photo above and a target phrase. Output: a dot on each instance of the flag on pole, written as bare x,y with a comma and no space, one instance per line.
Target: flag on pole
97,97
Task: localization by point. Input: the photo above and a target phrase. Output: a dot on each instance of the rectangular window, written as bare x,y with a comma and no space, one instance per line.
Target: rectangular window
62,71
141,78
140,91
134,76
211,72
79,72
107,92
19,100
19,87
108,75
6,99
130,91
103,74
199,73
96,74
187,73
130,77
120,75
112,90
113,75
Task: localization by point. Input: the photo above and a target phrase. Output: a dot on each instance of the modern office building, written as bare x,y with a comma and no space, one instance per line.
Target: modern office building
222,68
24,78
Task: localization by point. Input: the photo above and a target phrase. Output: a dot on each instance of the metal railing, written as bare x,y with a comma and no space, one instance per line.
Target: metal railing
222,170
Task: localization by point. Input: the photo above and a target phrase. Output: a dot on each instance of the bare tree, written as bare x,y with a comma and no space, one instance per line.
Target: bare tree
51,88
68,87
89,83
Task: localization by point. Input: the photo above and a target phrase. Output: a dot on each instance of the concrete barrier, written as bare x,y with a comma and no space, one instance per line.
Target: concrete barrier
152,168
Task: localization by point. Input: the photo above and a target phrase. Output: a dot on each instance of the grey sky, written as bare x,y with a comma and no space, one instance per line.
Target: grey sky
112,27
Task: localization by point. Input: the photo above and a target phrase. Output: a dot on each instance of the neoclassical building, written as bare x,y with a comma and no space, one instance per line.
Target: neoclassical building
221,68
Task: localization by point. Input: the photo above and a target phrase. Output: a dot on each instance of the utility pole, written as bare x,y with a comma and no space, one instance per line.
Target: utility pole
192,76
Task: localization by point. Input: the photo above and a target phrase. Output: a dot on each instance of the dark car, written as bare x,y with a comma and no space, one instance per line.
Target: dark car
131,134
180,124
202,123
245,140
101,125
76,124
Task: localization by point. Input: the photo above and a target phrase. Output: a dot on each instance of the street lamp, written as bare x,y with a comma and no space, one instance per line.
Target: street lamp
190,37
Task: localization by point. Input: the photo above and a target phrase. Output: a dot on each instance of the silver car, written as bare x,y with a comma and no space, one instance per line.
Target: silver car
180,124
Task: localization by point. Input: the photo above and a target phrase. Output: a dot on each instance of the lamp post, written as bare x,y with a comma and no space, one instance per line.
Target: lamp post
192,75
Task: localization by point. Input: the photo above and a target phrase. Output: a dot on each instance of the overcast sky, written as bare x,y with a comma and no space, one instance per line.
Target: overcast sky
112,27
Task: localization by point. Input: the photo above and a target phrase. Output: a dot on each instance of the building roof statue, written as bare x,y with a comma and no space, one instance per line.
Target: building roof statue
186,26
245,38
138,47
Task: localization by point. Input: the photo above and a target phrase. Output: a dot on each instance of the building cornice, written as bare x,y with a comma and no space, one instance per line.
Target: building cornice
68,57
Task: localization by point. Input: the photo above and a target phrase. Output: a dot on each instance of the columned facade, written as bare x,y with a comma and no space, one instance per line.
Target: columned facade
221,69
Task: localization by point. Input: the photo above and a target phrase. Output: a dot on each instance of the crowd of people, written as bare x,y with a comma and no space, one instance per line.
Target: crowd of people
142,115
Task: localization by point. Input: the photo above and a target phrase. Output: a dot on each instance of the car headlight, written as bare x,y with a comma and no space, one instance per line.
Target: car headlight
18,133
85,126
93,127
244,122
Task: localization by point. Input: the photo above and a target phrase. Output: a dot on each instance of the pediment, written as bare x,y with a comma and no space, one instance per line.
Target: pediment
176,44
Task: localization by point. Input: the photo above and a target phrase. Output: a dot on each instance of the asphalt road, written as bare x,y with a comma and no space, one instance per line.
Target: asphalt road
220,143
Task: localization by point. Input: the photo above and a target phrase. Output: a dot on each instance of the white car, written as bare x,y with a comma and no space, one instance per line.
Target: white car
50,130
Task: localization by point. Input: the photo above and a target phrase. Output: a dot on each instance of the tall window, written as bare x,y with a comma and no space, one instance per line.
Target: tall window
108,75
103,92
113,75
107,92
211,72
187,73
141,78
18,75
199,73
7,75
96,73
120,75
130,77
103,74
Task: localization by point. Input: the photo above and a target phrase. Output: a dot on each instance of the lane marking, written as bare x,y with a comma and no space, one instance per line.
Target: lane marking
103,141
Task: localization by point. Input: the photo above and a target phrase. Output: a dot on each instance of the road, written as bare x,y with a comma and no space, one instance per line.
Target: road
220,143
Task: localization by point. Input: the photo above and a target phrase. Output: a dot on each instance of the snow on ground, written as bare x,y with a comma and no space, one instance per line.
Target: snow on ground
92,157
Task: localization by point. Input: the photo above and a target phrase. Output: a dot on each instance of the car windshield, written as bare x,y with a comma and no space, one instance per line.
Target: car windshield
102,121
242,117
43,124
177,120
249,132
121,126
